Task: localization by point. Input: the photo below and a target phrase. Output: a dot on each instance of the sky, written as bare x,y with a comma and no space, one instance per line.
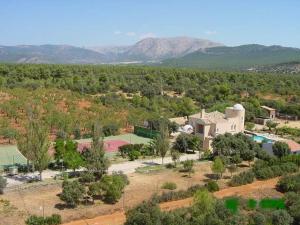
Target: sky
124,22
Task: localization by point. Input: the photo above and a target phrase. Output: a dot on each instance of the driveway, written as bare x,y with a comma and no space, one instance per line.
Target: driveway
125,167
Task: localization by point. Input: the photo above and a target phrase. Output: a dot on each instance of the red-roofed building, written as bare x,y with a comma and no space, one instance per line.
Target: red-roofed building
294,146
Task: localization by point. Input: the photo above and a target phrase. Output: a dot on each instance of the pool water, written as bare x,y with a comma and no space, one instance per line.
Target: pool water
261,139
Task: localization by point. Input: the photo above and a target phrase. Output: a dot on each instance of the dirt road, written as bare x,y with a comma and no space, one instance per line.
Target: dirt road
250,190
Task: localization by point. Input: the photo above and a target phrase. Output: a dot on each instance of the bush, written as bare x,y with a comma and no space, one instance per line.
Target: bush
3,184
281,149
169,185
87,177
258,219
123,176
38,220
133,155
188,166
113,186
242,178
212,186
289,183
281,217
126,150
110,130
72,193
176,195
147,213
264,173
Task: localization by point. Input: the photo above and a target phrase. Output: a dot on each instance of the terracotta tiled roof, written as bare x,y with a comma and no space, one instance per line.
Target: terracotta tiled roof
294,146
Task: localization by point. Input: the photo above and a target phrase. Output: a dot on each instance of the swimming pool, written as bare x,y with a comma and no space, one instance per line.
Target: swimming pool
261,139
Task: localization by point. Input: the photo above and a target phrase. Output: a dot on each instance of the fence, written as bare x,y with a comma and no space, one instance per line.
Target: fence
145,132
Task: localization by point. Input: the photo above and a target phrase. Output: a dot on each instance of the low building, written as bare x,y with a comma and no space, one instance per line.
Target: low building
270,112
262,120
209,125
294,146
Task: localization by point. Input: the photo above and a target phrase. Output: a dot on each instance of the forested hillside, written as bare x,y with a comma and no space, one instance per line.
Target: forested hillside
239,57
72,96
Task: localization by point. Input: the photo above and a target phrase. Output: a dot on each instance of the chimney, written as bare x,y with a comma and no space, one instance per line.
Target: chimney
202,113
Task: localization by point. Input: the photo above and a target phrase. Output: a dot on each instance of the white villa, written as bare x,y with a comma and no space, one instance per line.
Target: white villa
209,125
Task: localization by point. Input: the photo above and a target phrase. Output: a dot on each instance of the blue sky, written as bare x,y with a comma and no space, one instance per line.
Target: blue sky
122,22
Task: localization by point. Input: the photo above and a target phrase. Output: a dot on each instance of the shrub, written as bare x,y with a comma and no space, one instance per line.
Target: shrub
281,149
147,213
3,184
125,150
212,186
123,176
264,173
176,195
289,183
275,170
72,193
258,219
281,217
111,129
39,220
242,178
87,177
133,155
188,166
113,186
169,185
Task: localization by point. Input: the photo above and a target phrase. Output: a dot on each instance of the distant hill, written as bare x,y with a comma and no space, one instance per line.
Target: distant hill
177,52
155,49
146,50
240,57
49,54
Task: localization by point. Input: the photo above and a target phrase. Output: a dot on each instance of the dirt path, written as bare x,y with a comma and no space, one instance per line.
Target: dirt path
249,190
256,189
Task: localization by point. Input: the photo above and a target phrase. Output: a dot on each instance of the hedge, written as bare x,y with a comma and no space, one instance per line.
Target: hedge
275,170
242,178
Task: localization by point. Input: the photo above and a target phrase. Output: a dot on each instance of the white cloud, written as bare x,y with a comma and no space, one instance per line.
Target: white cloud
210,32
147,35
130,34
117,32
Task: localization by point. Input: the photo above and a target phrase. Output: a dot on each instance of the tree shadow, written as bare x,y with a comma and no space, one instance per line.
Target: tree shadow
62,206
211,176
243,166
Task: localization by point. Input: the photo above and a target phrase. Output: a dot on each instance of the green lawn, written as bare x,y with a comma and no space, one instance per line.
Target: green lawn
131,138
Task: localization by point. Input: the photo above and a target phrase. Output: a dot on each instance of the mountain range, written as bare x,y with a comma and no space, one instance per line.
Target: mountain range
146,50
175,52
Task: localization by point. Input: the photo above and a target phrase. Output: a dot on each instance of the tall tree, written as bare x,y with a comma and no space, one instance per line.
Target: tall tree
218,166
97,162
72,157
162,143
34,142
39,143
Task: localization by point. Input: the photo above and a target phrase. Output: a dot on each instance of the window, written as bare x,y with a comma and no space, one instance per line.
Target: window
200,128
